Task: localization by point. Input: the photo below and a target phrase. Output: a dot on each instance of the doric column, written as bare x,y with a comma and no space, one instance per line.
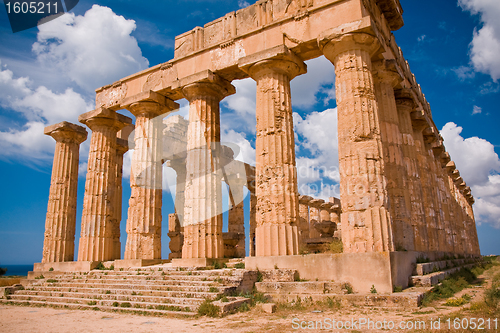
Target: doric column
303,224
121,149
276,174
236,214
427,183
405,106
253,210
179,165
335,215
176,236
144,212
59,241
99,216
314,217
386,78
203,194
363,188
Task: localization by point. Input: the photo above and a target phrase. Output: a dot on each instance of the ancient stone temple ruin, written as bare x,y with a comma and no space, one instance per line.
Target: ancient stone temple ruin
401,195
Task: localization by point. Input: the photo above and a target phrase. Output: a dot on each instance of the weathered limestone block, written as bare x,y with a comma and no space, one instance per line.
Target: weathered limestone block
99,215
144,213
203,193
386,78
59,240
276,175
367,225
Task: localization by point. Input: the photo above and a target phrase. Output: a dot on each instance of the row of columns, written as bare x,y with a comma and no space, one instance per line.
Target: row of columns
395,193
313,212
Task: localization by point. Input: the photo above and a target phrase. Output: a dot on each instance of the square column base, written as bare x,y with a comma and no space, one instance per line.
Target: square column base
68,266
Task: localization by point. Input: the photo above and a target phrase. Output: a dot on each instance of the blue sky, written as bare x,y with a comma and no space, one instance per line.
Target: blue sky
48,74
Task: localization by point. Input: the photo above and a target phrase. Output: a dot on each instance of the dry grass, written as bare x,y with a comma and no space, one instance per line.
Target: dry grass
9,281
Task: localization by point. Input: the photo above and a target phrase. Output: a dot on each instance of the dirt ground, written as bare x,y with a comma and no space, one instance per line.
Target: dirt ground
34,319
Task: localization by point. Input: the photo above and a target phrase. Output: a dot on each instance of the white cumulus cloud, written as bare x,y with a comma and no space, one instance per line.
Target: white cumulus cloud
86,52
485,45
92,50
479,166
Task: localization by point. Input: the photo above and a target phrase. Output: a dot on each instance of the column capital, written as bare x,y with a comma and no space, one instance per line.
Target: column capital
404,99
276,59
387,71
332,43
149,104
104,117
305,199
206,83
66,132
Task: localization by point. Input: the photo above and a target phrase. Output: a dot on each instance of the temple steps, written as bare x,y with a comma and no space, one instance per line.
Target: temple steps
431,273
153,290
76,306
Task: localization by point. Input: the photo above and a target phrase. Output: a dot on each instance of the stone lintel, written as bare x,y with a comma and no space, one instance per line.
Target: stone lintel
66,130
280,53
106,117
164,104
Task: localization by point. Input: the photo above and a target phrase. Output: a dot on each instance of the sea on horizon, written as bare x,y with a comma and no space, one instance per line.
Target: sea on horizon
21,270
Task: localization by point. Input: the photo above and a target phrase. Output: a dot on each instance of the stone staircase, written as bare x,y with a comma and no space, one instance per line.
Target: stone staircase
431,273
147,290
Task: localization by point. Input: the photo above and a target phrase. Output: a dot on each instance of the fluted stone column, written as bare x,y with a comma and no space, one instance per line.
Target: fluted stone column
144,212
276,174
253,215
427,190
121,149
385,79
366,219
203,193
335,215
179,165
314,217
176,237
303,218
405,106
99,217
236,213
59,240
